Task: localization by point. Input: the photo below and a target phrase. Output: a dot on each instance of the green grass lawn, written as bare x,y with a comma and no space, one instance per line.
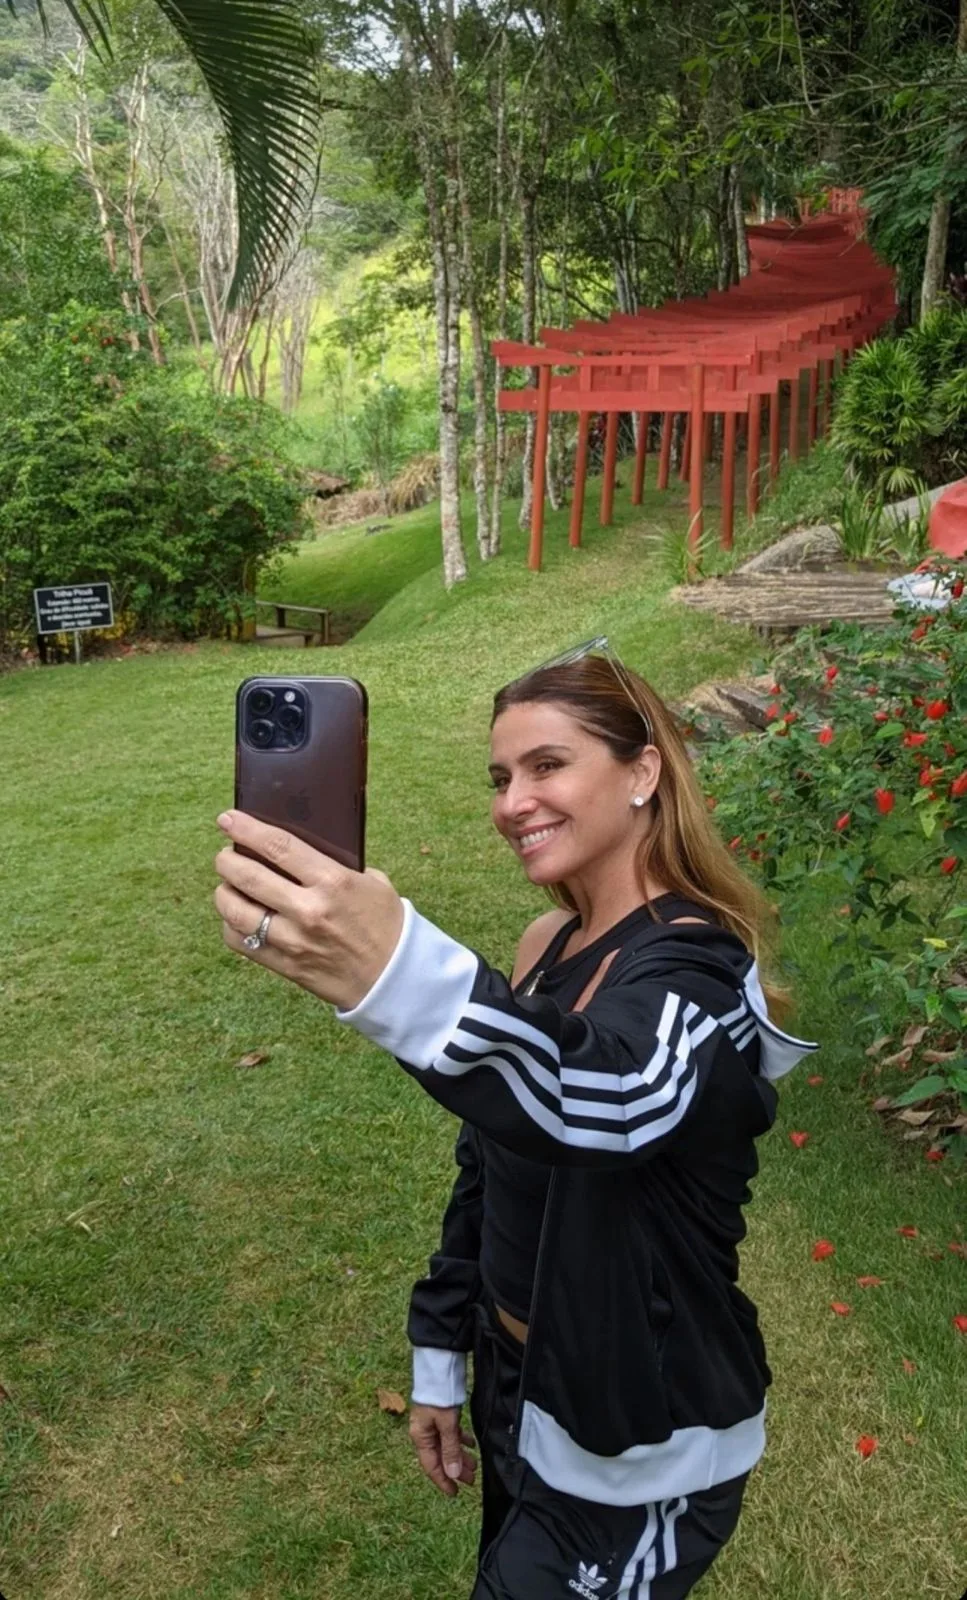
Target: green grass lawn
205,1267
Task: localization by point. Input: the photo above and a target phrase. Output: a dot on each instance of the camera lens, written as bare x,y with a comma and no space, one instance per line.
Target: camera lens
261,733
260,702
290,718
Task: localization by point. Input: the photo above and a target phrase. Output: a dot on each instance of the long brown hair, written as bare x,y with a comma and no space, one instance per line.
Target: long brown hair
682,848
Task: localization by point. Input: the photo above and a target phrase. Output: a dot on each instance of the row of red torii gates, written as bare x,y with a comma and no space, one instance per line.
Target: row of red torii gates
815,293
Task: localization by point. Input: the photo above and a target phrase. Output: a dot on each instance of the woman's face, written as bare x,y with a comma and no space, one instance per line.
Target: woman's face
562,801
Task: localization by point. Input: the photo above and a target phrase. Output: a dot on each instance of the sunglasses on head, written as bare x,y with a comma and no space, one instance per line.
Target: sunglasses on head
597,647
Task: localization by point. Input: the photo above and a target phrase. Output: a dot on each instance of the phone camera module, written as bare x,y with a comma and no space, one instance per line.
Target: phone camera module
290,718
260,702
262,733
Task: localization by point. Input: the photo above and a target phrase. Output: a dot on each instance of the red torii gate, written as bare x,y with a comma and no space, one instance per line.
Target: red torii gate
815,292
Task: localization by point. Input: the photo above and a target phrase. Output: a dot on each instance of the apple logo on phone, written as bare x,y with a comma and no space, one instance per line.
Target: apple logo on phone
297,807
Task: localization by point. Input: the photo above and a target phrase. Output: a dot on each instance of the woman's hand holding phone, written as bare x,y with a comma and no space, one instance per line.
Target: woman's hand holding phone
333,930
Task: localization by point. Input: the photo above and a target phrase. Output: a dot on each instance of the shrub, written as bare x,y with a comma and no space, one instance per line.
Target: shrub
902,404
862,776
114,469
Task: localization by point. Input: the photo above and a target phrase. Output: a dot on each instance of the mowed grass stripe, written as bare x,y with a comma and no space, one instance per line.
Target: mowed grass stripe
206,1268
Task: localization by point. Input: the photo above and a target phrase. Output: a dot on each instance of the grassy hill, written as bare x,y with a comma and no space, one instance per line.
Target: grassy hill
205,1265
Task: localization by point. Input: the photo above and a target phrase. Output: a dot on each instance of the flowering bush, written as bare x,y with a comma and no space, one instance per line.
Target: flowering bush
861,775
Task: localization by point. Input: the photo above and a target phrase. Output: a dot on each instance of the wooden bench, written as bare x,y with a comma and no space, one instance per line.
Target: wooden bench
283,629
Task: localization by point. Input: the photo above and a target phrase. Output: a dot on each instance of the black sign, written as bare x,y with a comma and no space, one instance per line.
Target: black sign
75,607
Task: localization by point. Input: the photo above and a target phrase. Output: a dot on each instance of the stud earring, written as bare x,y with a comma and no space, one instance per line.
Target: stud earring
638,801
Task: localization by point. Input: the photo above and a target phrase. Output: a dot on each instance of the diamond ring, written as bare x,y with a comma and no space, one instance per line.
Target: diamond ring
255,941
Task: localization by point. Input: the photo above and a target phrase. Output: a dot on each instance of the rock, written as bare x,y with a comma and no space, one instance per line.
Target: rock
906,510
802,550
733,707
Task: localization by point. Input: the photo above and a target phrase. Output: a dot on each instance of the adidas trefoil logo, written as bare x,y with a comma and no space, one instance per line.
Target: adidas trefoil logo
588,1581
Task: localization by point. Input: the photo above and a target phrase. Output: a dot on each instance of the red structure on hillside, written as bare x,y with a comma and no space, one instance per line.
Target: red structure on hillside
815,293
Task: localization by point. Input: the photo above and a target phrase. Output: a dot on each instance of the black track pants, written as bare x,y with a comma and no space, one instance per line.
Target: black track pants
539,1544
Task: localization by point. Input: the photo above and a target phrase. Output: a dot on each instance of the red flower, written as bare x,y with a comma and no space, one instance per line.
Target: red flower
832,673
798,1139
734,843
913,740
917,700
822,1248
948,865
908,1232
960,1323
866,1444
919,632
949,750
869,1282
755,855
959,787
957,588
790,717
881,716
825,735
772,711
929,775
840,1307
933,1155
776,688
937,709
842,822
885,801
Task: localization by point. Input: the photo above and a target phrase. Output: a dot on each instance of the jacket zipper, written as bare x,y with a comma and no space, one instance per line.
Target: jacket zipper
525,1364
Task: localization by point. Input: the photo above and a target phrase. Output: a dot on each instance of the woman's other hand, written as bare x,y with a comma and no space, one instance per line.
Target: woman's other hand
442,1446
333,930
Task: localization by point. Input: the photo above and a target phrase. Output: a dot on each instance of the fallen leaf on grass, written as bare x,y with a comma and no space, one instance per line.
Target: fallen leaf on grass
900,1058
915,1119
960,1323
866,1444
934,1056
254,1058
424,850
907,1232
908,1438
817,1077
869,1282
934,1155
909,1366
115,1530
840,1307
878,1044
914,1033
392,1402
822,1248
798,1139
883,1102
958,1248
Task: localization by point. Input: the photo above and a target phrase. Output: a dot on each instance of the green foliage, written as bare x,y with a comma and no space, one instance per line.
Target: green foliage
50,247
902,404
112,468
862,776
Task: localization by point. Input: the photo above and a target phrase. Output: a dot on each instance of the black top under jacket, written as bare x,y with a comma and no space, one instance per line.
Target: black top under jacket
514,1187
644,1374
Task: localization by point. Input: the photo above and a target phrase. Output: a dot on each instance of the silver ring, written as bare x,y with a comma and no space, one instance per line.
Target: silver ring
255,941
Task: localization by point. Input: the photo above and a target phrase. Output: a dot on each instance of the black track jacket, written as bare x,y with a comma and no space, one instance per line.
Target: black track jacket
645,1372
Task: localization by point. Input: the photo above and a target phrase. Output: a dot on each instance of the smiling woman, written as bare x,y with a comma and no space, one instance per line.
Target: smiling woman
611,1092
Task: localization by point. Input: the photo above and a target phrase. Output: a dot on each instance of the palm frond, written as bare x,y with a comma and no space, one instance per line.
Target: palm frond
259,62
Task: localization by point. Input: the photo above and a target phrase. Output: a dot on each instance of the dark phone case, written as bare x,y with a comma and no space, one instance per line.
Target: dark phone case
318,791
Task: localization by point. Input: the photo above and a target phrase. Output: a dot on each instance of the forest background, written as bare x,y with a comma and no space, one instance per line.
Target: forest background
483,170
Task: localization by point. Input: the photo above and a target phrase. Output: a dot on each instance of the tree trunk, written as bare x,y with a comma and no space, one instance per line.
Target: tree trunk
479,377
935,265
741,237
528,291
934,268
500,180
446,295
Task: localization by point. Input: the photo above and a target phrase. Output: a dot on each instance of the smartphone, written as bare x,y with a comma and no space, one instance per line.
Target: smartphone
300,760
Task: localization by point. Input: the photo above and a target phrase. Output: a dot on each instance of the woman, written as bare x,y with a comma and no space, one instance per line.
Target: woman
610,1094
